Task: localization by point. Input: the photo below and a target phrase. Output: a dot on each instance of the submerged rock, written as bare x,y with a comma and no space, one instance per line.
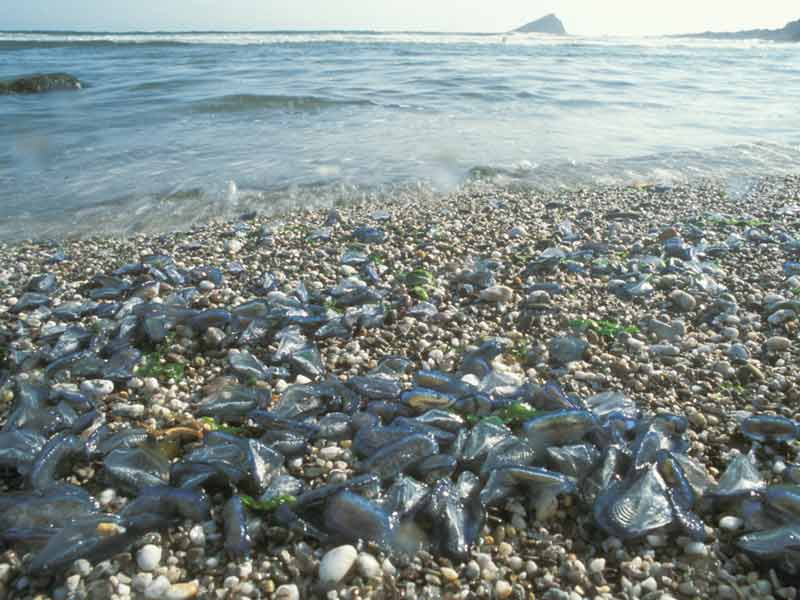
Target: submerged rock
36,84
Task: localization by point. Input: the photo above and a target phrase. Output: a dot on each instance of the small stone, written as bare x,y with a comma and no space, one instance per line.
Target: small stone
233,246
696,549
182,591
368,566
497,293
83,567
107,496
336,564
472,570
197,535
731,523
141,581
449,574
388,568
650,585
330,452
97,388
148,557
597,565
749,372
683,301
778,344
502,589
698,420
213,337
668,234
288,591
688,588
725,592
123,409
157,589
567,349
151,385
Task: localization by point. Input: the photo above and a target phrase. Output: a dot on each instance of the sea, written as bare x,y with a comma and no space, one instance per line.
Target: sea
173,129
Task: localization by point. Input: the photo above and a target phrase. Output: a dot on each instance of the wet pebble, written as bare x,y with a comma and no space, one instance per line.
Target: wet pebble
97,388
148,557
287,591
778,344
683,301
336,564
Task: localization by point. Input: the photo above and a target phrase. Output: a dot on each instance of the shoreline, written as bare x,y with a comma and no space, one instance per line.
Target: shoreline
668,353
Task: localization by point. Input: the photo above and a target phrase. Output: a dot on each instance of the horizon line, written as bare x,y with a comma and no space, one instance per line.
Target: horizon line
311,30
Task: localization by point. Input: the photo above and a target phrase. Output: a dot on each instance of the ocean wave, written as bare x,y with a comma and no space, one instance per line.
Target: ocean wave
24,39
184,207
236,103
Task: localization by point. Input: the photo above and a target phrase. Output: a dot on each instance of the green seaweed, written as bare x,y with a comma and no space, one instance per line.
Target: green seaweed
215,425
520,351
511,415
605,329
419,278
420,293
330,304
266,505
734,388
377,258
156,365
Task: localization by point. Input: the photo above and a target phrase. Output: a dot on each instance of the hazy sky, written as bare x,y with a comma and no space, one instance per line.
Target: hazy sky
589,17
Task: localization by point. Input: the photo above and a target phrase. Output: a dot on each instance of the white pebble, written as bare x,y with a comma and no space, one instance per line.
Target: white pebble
730,523
368,566
497,293
778,344
182,591
696,549
330,452
158,588
148,557
287,591
597,565
141,581
97,388
197,535
233,246
336,564
502,589
650,585
151,385
107,496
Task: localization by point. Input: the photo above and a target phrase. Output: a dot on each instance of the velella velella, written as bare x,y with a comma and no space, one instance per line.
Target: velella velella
410,453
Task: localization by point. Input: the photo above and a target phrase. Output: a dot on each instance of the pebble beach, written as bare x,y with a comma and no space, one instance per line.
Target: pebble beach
588,289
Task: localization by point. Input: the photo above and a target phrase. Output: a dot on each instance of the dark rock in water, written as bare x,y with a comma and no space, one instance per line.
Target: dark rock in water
36,84
547,24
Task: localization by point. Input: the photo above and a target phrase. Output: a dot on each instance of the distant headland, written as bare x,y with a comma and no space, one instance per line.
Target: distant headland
547,24
790,33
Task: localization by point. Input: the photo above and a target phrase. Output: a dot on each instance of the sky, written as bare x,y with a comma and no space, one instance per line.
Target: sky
582,17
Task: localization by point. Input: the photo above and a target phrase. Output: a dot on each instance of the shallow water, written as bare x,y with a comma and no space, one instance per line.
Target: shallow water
176,128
